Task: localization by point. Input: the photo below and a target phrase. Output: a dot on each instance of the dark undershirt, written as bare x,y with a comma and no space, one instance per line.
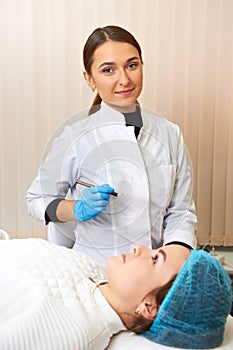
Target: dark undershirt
134,119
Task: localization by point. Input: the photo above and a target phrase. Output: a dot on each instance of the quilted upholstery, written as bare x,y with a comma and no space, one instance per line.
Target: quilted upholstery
51,297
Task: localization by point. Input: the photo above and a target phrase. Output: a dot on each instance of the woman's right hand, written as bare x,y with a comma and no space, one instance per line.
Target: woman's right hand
94,200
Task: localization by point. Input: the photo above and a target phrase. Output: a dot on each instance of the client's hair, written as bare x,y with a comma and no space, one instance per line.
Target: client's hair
142,324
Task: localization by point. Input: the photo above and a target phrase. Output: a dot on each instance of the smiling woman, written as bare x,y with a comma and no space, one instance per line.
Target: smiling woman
116,73
119,147
112,35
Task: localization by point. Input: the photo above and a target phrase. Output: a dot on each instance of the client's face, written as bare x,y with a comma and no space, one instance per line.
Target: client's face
138,273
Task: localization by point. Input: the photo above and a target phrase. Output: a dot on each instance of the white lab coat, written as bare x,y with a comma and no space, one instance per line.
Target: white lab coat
153,174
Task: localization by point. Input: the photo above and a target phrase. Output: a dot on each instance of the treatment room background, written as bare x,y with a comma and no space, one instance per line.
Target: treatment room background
188,77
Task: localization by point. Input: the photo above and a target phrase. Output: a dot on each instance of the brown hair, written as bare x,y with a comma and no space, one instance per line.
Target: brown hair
98,37
142,324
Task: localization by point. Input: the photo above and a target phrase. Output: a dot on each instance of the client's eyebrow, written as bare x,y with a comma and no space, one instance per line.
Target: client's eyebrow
163,254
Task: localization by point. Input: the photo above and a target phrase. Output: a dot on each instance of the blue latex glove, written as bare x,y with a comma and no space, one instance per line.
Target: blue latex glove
94,201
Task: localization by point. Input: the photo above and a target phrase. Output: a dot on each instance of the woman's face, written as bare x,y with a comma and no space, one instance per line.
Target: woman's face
138,273
116,73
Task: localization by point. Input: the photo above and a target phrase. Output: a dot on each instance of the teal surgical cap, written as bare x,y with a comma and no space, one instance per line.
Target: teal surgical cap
194,312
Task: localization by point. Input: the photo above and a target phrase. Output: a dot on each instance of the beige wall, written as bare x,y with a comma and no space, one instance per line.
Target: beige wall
188,56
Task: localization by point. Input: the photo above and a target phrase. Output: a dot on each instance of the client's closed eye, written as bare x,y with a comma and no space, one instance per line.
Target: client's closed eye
155,258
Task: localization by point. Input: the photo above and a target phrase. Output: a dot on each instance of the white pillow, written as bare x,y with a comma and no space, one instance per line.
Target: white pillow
129,340
3,234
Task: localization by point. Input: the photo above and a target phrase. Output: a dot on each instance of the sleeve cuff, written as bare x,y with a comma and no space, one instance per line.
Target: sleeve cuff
180,243
51,211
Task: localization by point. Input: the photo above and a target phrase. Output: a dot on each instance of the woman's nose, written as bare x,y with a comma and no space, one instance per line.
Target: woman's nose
123,77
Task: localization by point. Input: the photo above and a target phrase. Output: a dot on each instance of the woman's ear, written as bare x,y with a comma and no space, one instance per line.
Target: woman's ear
89,80
148,308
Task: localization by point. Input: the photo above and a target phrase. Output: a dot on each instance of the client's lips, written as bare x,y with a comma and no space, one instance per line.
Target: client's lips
123,257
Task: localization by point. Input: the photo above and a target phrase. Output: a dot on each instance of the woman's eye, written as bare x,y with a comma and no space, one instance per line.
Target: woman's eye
155,258
107,70
132,65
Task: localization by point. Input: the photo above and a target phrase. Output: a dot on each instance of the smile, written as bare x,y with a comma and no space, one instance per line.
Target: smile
125,92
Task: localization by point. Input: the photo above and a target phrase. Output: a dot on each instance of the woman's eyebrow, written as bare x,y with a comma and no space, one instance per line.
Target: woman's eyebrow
106,64
113,63
132,59
163,254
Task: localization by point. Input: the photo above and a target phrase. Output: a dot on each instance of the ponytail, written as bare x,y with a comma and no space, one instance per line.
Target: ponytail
95,104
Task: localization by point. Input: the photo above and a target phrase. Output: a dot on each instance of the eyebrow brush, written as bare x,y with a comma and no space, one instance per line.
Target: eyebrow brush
115,194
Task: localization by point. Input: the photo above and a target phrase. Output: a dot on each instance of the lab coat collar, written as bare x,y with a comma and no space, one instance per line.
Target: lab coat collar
109,114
